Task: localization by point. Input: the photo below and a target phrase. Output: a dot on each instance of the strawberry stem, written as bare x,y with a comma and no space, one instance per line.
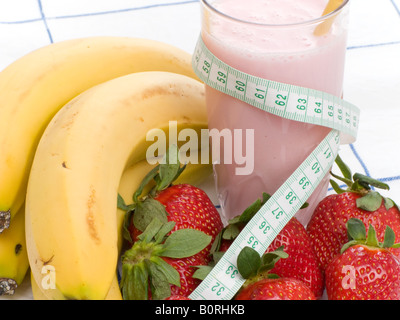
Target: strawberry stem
358,235
144,208
356,183
361,184
251,265
143,266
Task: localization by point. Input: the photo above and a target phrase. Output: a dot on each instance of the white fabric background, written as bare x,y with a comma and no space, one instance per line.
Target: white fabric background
372,74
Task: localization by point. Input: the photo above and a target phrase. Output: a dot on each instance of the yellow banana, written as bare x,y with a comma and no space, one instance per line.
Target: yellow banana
36,86
73,185
14,262
113,294
37,293
130,181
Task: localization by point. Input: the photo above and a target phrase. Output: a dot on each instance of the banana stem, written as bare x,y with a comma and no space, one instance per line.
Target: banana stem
7,286
5,217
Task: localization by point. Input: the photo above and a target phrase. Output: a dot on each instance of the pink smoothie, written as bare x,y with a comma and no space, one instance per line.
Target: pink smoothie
290,54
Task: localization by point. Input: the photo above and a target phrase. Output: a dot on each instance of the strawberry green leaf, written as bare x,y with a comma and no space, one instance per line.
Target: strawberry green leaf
201,272
344,169
185,243
122,205
165,229
348,182
169,168
151,230
305,205
146,211
370,202
150,176
250,211
248,262
125,226
159,285
169,271
217,256
270,258
356,229
368,181
217,242
336,187
127,218
389,238
231,232
372,240
389,203
134,283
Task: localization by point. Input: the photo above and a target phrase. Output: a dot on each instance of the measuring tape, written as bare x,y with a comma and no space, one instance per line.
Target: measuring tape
290,102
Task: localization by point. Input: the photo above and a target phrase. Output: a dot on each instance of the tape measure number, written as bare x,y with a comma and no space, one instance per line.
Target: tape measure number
290,102
284,100
224,280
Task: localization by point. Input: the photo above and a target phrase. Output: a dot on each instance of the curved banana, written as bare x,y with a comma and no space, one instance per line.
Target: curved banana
37,293
75,176
113,294
14,262
130,181
36,86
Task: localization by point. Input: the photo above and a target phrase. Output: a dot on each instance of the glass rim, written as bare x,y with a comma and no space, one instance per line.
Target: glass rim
207,4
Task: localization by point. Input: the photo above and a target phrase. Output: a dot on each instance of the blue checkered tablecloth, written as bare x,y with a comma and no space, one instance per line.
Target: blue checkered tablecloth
372,74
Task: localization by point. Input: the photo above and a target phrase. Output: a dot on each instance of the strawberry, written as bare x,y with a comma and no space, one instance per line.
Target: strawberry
184,266
301,264
276,289
152,221
261,284
190,207
327,227
365,269
177,297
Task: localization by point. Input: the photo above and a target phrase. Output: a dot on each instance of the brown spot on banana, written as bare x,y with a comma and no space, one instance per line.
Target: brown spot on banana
46,262
90,220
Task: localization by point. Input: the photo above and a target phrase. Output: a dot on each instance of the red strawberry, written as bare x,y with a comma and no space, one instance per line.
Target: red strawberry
158,265
366,269
190,207
182,213
177,297
327,227
301,264
261,284
184,266
276,289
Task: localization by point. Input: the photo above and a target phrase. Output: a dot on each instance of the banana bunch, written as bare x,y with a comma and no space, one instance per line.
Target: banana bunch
13,255
75,116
